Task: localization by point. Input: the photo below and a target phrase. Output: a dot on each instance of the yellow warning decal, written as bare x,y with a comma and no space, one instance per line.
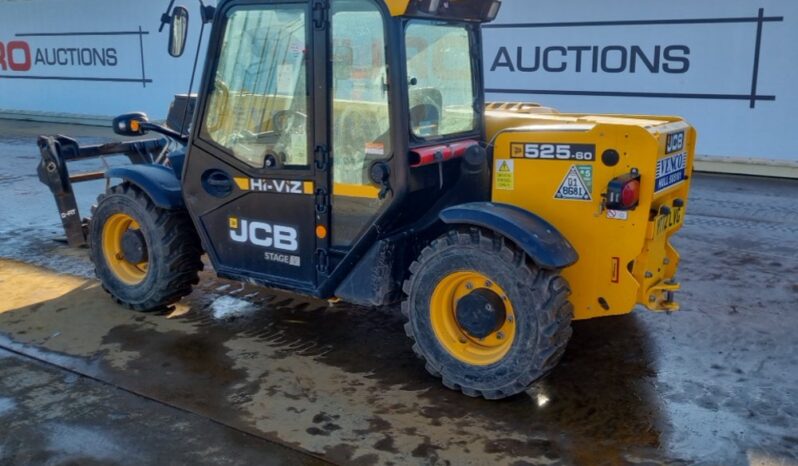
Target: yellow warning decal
505,175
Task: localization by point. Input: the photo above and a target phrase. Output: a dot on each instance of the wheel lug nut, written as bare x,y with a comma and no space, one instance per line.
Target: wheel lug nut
462,340
510,319
469,286
500,336
488,283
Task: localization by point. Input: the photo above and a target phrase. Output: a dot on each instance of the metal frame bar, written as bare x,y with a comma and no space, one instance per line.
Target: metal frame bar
53,171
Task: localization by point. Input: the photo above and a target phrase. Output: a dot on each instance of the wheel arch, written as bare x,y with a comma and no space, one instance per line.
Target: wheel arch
539,239
159,183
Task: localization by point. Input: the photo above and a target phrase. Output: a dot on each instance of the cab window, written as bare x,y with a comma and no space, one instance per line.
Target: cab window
258,106
360,123
440,79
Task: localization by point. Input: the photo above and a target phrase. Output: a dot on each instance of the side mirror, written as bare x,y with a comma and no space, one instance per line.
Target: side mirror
131,124
178,31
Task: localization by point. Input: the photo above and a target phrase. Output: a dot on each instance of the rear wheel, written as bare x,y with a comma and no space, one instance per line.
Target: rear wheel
483,317
146,257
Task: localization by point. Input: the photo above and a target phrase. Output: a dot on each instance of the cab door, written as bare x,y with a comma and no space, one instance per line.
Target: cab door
256,179
361,125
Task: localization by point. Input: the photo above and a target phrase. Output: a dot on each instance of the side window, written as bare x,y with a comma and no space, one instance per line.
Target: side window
441,79
360,123
258,107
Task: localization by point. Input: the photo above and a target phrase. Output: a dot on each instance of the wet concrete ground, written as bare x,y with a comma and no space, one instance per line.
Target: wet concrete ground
51,416
712,384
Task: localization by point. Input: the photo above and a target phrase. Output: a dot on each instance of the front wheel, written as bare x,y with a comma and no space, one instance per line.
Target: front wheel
483,317
146,257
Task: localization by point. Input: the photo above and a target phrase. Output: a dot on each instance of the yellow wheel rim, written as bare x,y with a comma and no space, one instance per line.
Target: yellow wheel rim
461,345
113,231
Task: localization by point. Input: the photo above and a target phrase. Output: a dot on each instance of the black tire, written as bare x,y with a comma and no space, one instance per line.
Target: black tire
174,251
539,298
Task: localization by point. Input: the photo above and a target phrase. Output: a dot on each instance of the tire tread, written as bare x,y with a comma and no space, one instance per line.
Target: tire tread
555,312
180,247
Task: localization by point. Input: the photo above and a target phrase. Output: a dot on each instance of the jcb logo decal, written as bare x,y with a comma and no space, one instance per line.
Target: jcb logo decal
263,234
274,186
674,142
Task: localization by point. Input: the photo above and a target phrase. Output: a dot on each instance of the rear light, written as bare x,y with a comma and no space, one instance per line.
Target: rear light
623,192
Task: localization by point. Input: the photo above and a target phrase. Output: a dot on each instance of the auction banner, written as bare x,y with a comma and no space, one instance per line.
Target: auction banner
90,57
727,66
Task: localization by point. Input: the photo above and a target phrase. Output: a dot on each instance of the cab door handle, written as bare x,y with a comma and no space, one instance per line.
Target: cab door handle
217,183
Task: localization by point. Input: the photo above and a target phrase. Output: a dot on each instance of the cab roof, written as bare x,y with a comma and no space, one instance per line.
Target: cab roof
469,10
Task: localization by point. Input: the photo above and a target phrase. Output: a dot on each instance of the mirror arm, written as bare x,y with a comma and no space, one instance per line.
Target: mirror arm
207,12
166,18
182,139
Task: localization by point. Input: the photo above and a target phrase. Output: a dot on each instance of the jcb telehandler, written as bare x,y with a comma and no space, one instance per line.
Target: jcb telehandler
343,149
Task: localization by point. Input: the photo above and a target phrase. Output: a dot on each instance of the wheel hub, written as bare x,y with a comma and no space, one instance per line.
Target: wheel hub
134,247
480,313
472,317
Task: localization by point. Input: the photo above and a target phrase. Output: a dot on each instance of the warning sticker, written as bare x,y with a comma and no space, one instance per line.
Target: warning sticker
505,175
577,185
617,214
373,148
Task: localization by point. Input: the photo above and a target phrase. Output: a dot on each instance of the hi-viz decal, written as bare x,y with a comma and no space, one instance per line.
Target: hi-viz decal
577,185
274,186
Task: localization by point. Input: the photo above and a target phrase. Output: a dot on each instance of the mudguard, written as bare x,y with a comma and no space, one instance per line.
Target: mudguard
543,243
159,182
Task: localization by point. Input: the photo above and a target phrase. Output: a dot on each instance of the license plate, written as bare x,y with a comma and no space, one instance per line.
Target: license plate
667,222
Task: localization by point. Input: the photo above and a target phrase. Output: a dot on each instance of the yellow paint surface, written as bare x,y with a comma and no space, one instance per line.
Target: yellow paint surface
622,262
397,7
356,190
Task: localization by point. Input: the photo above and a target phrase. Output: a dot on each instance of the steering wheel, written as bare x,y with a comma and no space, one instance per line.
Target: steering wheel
284,120
355,129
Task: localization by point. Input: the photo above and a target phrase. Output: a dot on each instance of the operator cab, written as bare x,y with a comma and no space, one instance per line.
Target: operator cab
310,116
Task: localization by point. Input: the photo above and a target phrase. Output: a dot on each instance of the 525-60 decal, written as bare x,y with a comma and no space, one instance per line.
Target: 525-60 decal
553,151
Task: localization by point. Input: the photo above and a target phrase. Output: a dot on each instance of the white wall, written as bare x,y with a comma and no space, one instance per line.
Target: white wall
720,35
143,77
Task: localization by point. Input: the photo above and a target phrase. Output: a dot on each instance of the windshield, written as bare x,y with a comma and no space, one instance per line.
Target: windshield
440,79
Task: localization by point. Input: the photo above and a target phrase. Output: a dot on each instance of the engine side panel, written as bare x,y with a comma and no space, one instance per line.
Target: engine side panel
559,167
